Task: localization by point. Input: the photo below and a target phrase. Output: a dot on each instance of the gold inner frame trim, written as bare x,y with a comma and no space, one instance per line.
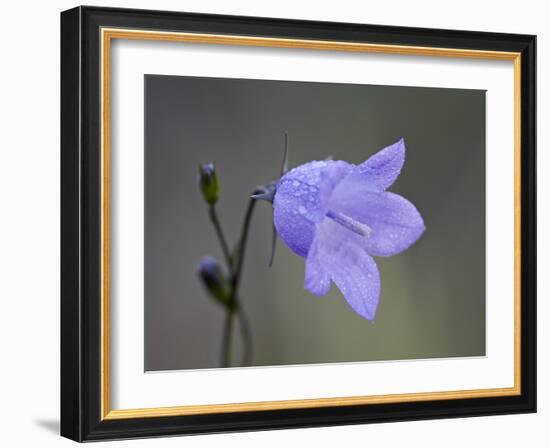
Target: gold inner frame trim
107,35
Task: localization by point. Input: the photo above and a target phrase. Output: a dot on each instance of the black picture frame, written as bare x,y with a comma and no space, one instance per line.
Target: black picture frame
81,227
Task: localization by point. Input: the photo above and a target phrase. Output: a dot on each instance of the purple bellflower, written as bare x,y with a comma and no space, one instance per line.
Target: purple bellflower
338,215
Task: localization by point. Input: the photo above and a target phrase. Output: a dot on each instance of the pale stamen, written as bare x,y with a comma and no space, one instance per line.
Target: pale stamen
349,223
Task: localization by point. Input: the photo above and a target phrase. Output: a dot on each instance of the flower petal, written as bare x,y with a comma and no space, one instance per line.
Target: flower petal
342,256
330,178
384,167
394,223
301,201
317,279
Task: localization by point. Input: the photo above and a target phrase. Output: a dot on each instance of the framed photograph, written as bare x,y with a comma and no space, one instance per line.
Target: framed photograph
272,223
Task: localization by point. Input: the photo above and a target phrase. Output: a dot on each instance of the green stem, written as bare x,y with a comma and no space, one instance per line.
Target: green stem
242,245
227,339
218,228
247,337
235,267
245,328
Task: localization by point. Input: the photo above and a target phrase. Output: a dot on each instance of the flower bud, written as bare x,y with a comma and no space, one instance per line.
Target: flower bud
208,182
214,280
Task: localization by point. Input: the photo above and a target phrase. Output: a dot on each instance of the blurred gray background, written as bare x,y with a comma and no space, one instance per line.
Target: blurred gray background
433,295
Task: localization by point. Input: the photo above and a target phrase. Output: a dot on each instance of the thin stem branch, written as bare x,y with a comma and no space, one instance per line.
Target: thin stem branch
242,245
247,337
226,360
219,232
235,267
235,280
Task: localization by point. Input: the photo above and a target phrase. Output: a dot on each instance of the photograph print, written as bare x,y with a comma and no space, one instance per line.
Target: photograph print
291,223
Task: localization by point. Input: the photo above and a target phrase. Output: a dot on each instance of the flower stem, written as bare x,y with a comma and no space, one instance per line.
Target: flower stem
235,268
226,360
218,228
245,328
247,337
242,245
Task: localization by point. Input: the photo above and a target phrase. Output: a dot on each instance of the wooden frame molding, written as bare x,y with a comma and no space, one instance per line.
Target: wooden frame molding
108,35
87,35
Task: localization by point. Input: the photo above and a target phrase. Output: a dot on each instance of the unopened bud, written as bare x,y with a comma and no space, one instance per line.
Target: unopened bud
214,280
208,182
